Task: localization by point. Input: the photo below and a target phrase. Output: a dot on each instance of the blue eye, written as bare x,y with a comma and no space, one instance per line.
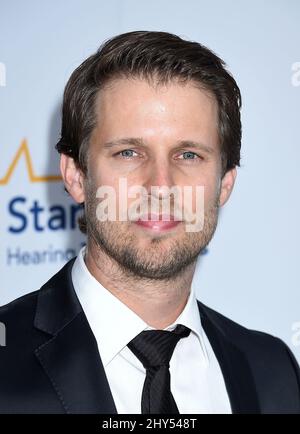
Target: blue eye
127,153
190,155
185,156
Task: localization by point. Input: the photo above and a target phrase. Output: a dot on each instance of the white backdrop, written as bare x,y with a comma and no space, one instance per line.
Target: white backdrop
251,270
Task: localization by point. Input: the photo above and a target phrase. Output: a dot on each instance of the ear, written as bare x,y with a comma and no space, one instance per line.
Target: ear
73,178
227,184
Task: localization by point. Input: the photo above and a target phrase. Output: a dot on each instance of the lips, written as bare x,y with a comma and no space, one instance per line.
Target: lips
158,223
158,217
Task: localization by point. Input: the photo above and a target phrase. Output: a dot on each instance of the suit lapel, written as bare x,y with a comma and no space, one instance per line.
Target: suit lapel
233,363
70,357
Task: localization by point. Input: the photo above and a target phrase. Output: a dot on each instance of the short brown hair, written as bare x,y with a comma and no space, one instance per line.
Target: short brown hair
148,55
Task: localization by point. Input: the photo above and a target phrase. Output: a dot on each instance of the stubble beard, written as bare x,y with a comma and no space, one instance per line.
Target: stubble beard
164,258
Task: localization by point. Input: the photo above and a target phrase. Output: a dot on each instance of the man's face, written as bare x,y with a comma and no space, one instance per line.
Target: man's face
161,125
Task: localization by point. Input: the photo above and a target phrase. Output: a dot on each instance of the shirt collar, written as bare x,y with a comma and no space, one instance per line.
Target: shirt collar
113,323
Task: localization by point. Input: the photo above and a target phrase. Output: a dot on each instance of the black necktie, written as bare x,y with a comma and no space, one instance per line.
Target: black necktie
154,348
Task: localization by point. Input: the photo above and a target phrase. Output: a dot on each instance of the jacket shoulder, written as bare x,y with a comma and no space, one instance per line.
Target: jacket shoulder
238,332
260,347
15,309
27,302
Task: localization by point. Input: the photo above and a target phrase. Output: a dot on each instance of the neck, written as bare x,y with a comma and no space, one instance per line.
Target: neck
157,302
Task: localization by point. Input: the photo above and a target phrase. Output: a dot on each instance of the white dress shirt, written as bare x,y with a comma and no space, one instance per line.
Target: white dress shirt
197,382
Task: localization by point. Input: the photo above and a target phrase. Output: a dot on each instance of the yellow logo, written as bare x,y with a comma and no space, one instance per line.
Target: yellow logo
23,150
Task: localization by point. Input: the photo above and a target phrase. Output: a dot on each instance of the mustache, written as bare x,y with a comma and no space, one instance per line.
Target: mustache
159,211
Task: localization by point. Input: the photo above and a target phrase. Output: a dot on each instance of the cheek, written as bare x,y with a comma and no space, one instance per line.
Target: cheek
207,194
100,174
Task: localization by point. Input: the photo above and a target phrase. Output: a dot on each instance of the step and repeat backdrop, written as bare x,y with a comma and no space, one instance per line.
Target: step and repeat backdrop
250,271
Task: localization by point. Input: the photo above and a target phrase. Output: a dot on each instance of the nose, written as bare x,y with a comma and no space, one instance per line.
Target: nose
159,175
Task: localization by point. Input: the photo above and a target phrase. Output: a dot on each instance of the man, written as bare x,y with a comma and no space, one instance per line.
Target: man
119,329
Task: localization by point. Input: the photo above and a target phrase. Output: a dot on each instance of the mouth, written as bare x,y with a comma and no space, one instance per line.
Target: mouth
158,223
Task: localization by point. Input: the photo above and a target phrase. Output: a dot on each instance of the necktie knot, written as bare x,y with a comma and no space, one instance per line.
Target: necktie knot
154,348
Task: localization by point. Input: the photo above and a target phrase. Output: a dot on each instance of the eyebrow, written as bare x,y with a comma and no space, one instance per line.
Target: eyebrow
136,141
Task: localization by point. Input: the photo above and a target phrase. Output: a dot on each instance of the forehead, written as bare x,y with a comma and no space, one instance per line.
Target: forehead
135,107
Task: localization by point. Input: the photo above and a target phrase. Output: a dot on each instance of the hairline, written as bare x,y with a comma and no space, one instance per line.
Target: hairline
154,82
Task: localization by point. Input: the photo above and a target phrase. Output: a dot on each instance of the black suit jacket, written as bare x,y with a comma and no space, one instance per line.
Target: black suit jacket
51,363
